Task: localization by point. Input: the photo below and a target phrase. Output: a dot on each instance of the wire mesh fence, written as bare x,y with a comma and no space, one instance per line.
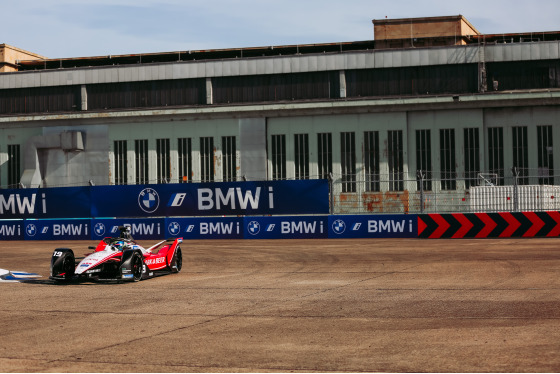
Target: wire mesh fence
426,192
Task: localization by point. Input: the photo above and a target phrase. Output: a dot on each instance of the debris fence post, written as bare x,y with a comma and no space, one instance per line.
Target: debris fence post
420,177
515,173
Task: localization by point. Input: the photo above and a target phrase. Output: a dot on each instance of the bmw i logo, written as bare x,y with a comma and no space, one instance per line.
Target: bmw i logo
338,226
99,229
148,200
174,228
31,229
253,227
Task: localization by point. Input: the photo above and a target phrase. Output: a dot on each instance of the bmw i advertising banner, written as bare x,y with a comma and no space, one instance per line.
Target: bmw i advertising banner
205,228
287,227
247,227
57,229
185,199
12,230
141,228
374,226
63,202
212,199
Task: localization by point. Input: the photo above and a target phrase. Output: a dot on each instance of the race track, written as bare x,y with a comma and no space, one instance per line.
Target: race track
295,305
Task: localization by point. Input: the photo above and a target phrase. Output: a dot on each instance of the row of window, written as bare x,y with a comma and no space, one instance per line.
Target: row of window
520,156
347,158
185,165
424,167
379,82
348,161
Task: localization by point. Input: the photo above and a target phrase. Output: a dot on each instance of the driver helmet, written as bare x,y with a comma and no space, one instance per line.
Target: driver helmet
119,245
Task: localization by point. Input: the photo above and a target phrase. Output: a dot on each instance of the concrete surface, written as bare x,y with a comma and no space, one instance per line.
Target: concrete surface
295,306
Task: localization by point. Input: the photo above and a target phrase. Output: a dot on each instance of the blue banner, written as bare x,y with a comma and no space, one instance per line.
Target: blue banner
141,228
12,230
205,228
212,199
57,229
64,202
247,227
286,227
168,200
374,226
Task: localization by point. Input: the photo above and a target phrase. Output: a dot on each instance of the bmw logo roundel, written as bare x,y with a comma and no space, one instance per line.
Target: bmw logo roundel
253,227
174,228
99,229
338,226
148,200
31,229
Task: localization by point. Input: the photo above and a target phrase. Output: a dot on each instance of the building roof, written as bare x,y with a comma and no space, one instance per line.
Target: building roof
468,35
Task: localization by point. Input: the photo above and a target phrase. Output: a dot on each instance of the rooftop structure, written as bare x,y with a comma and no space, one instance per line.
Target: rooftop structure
10,57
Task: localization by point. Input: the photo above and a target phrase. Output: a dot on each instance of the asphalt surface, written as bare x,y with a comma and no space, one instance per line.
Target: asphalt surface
362,305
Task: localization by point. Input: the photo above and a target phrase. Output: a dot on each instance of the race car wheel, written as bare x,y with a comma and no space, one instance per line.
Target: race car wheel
68,266
178,263
63,265
136,266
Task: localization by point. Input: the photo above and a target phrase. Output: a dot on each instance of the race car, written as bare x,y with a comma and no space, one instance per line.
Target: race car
118,259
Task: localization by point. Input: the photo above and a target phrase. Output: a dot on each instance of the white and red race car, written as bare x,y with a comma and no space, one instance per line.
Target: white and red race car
118,259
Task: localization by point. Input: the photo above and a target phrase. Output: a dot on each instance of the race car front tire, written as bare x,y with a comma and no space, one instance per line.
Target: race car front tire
63,264
132,266
136,266
177,261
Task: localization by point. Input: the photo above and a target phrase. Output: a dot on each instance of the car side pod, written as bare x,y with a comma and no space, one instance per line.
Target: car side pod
132,266
63,265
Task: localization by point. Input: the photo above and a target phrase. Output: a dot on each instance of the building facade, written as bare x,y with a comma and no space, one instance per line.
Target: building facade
395,127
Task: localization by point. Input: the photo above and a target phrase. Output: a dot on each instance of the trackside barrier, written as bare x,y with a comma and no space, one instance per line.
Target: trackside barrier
429,226
249,227
489,225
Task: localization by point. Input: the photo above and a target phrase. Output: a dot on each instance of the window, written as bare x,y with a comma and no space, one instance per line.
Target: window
447,159
301,155
184,148
278,157
14,165
207,159
348,161
521,153
324,153
544,149
396,163
472,156
120,149
496,153
163,160
424,159
229,165
371,160
141,161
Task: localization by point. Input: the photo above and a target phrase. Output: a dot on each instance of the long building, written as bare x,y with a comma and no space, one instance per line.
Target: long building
408,121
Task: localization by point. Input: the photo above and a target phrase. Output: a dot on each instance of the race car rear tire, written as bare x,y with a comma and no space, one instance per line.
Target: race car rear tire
177,261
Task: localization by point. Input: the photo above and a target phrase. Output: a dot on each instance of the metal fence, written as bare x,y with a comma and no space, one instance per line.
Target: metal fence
429,193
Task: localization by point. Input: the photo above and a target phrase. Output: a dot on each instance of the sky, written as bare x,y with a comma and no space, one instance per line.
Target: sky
78,28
